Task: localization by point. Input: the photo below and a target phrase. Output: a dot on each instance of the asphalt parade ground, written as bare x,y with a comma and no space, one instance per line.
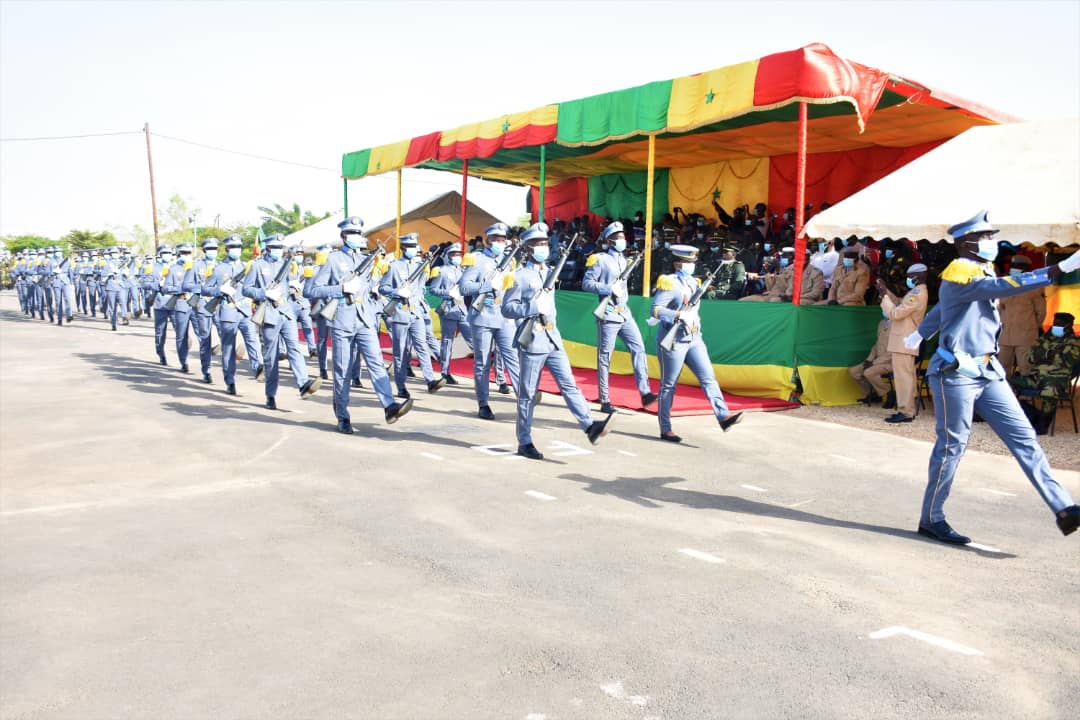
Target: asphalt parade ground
168,551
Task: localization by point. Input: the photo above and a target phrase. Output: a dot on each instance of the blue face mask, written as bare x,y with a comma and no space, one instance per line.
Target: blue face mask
276,253
166,258
784,262
410,253
541,253
767,247
1058,332
620,245
687,269
497,248
353,241
988,249
849,263
911,283
823,247
210,258
889,254
455,259
234,253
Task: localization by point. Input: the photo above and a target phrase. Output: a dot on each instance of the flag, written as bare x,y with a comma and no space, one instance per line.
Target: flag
260,238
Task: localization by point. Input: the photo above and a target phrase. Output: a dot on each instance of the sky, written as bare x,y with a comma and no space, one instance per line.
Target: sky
309,81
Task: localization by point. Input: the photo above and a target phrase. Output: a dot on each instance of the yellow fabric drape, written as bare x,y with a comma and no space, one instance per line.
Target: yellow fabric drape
739,182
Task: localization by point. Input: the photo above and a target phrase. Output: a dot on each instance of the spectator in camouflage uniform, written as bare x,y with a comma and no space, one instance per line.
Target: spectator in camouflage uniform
730,281
1052,361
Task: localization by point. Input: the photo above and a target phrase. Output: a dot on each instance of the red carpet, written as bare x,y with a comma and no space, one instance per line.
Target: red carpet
689,400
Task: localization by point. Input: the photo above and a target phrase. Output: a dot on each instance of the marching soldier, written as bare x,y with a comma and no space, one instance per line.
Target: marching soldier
233,312
153,281
527,297
63,286
670,306
965,376
407,323
93,284
322,328
82,269
452,312
355,323
202,319
279,320
492,333
172,288
602,276
301,304
113,275
904,315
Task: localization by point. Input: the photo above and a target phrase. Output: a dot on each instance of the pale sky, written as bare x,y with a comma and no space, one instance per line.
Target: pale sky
308,81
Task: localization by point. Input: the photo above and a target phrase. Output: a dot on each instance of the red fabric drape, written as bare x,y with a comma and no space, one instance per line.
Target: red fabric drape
564,201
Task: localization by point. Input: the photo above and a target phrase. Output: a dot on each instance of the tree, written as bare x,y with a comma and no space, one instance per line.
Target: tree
77,240
16,243
287,220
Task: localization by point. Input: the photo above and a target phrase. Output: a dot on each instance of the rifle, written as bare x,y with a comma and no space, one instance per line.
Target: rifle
170,304
391,307
260,312
212,303
330,307
504,262
668,342
525,331
605,302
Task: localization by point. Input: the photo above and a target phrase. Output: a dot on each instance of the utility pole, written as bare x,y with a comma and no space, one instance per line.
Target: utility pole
153,195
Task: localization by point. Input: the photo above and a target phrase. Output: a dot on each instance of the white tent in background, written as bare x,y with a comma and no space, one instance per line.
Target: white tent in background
438,220
1026,175
324,231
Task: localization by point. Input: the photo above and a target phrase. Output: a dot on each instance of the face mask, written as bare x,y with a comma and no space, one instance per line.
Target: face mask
497,248
620,245
1016,272
700,236
700,223
910,284
787,217
410,253
211,258
1058,332
276,253
667,245
988,248
687,269
767,247
455,259
784,262
726,262
541,253
849,263
353,241
234,253
748,223
889,254
166,258
823,247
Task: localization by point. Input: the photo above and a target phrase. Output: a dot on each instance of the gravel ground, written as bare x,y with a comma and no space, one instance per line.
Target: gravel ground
1063,449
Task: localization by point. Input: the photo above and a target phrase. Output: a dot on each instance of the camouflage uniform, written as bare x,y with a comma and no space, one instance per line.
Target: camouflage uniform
1052,361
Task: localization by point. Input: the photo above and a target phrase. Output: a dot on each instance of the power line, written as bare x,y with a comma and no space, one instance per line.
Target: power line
71,137
245,154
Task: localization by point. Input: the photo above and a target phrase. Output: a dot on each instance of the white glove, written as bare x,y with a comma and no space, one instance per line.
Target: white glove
1070,263
351,286
296,285
690,318
228,291
404,292
455,293
911,342
545,303
274,294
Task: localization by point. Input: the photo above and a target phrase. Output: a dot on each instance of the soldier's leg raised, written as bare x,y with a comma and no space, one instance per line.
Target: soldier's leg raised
631,337
697,359
504,345
252,344
418,334
297,362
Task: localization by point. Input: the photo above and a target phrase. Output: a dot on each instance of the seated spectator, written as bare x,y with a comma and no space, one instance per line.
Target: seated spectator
779,284
1021,320
870,373
1052,360
850,281
813,284
730,280
826,259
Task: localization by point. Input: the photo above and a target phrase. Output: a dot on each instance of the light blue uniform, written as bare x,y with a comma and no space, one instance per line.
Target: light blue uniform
408,323
967,317
600,275
173,284
63,286
233,316
201,319
82,273
152,281
354,329
673,291
545,350
491,331
452,312
115,291
280,322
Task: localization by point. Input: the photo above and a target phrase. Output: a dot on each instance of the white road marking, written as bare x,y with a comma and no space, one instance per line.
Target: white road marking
800,504
925,637
998,492
627,453
567,449
617,691
539,495
431,456
755,488
985,548
698,555
496,450
842,457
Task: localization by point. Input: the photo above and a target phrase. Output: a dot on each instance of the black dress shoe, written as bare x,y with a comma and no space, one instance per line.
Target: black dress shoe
357,384
607,408
409,372
649,399
403,394
871,398
344,427
436,385
230,389
206,378
942,532
313,353
670,437
530,451
310,387
599,429
485,413
184,369
1068,519
731,421
395,411
324,375
890,401
899,418
260,372
271,404
450,379
504,389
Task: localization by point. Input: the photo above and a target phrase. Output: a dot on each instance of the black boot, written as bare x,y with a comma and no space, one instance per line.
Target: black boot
395,411
271,404
230,389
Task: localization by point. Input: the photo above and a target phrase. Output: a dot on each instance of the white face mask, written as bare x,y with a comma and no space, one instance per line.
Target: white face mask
455,259
687,268
620,245
234,253
276,253
988,249
497,248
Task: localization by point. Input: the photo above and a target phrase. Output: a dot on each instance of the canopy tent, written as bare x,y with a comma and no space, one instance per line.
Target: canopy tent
438,220
321,233
1027,175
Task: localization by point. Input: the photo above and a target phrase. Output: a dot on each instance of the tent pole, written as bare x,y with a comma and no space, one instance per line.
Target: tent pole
800,202
345,191
543,181
397,225
464,201
647,249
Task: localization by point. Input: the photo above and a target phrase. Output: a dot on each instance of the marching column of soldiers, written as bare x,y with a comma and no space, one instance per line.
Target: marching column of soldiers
501,299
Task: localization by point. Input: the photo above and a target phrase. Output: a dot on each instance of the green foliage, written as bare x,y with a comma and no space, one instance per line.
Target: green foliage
288,220
15,243
85,239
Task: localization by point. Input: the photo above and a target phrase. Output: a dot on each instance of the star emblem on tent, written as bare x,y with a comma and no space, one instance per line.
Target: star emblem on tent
709,97
506,126
715,194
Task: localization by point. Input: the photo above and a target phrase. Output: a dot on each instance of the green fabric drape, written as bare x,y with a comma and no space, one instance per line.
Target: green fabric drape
623,194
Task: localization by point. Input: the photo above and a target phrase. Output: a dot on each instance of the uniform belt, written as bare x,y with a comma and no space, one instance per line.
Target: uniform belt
950,358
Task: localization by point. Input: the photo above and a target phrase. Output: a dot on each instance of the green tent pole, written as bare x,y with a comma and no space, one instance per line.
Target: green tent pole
543,180
345,188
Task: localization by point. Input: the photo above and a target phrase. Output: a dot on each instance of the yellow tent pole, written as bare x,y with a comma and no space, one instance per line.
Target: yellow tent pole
647,249
397,226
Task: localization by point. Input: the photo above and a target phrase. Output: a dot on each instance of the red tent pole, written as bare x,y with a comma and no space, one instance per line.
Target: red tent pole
464,201
800,203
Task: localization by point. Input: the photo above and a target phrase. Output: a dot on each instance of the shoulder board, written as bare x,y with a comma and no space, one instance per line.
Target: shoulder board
508,281
592,260
209,272
320,257
433,273
309,272
665,282
187,265
469,260
164,271
962,273
383,265
247,268
292,267
698,281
